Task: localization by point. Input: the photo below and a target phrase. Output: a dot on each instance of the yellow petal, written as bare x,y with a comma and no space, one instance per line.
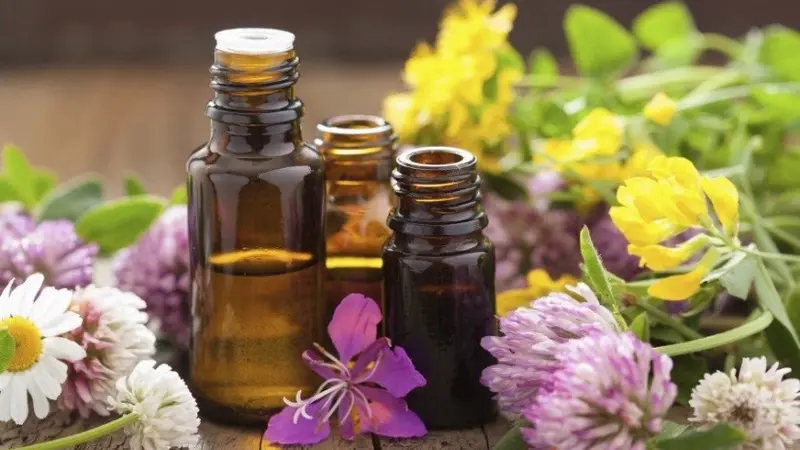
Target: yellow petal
599,133
398,109
640,232
683,286
515,298
725,199
457,120
659,257
640,158
660,109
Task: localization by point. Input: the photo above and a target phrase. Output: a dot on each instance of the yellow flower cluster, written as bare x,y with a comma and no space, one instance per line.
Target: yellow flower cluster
672,199
539,285
661,109
593,153
460,94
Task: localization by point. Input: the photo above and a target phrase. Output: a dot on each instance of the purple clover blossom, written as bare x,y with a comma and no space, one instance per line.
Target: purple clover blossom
611,392
353,382
530,338
156,268
51,248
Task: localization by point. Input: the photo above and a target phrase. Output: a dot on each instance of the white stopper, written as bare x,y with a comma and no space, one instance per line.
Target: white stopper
254,41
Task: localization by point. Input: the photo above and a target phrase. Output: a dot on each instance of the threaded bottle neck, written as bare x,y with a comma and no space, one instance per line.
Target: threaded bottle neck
438,191
357,147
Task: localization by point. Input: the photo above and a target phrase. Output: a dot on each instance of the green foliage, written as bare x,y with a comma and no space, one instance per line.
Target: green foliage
599,45
117,224
543,66
7,349
22,182
597,277
512,440
640,326
134,186
71,200
779,52
738,279
688,370
664,24
720,436
178,196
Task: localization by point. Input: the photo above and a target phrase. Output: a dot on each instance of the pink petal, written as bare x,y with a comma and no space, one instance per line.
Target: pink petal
281,428
390,416
393,370
317,364
354,325
346,422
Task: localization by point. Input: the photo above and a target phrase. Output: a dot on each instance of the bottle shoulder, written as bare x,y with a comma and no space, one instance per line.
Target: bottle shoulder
424,247
208,161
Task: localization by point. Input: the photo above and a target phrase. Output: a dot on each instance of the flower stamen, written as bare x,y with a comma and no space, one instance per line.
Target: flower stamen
338,364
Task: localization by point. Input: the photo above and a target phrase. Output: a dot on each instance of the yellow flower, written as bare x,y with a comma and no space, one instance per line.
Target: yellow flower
725,199
683,286
539,285
639,231
470,25
400,111
661,109
659,257
641,157
599,133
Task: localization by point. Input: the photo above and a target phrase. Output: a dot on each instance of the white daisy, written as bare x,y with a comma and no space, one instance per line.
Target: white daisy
115,337
166,411
36,324
758,400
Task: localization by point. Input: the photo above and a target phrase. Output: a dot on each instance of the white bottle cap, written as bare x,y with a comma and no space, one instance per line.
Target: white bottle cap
254,41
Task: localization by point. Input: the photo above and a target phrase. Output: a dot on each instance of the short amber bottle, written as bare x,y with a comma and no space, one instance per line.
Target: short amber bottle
256,234
359,153
439,284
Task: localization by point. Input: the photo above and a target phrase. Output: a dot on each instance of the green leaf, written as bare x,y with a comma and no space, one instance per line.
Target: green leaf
720,436
663,23
782,105
641,327
7,349
179,196
20,175
687,372
512,440
738,279
117,224
671,429
133,186
779,52
599,45
7,192
777,334
45,183
770,300
596,274
543,66
71,200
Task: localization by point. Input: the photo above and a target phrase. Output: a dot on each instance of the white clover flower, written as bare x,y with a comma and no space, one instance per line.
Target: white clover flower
166,410
758,400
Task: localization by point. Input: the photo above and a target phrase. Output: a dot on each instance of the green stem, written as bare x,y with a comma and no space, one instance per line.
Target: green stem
668,320
733,93
784,221
85,436
656,81
722,43
748,329
766,255
783,235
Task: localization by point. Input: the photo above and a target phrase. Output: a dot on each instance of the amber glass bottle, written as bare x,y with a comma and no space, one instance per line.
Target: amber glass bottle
439,284
256,231
359,152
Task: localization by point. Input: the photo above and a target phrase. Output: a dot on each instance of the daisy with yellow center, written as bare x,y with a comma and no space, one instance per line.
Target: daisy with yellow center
36,318
672,199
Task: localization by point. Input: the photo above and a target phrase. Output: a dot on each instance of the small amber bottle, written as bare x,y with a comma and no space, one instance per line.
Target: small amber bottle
439,284
359,153
256,234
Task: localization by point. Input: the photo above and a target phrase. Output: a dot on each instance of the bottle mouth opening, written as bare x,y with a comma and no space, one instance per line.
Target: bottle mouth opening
436,158
254,41
355,125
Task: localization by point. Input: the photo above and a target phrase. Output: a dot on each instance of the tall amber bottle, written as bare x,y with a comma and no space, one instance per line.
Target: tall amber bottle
359,153
256,227
439,284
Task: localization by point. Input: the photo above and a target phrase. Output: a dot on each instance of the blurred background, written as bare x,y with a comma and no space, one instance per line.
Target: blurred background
114,87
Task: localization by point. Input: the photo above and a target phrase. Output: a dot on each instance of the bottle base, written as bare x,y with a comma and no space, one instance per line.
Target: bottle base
227,415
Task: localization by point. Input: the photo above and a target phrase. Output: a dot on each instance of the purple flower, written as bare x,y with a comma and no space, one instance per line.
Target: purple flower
526,237
613,247
156,268
530,339
51,248
612,391
364,385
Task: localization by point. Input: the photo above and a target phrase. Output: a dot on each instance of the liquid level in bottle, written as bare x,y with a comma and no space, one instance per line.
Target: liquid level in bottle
257,311
352,275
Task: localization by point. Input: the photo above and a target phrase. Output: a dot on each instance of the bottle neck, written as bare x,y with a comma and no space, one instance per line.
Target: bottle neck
356,148
255,110
438,193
